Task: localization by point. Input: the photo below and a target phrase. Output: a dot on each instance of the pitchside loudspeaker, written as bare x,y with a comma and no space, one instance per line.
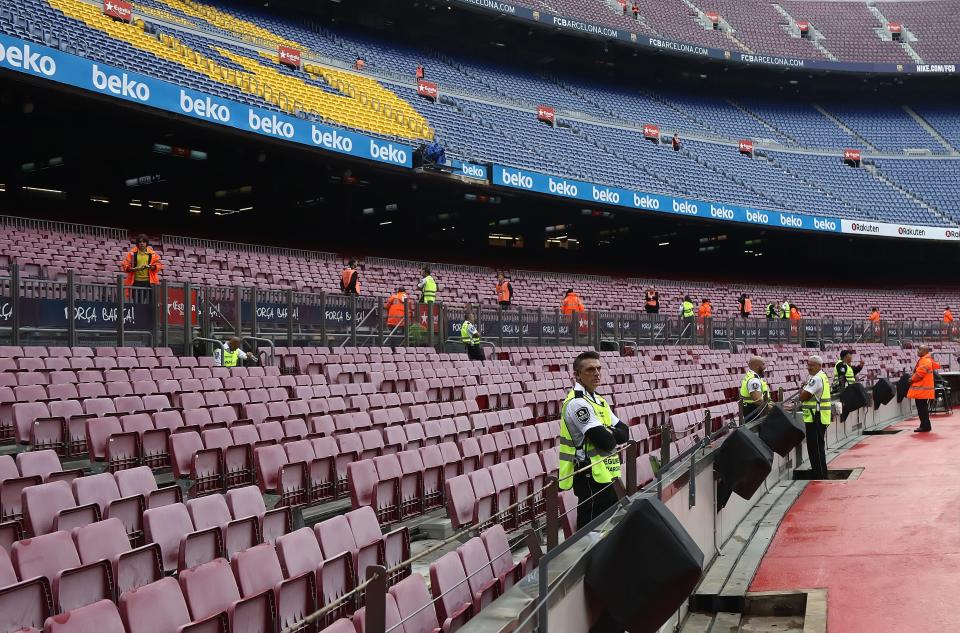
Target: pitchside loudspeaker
883,393
743,461
903,386
643,570
853,397
780,431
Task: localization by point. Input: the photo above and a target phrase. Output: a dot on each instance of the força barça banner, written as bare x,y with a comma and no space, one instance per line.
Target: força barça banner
602,194
564,23
47,63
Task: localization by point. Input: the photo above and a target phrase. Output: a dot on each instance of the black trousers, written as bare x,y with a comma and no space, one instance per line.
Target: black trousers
817,448
504,305
652,309
923,411
592,498
475,352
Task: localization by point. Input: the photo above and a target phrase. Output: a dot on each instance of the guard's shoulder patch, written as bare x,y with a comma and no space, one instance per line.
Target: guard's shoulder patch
583,414
577,393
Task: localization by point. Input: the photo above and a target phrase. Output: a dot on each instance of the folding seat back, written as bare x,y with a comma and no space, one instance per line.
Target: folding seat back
248,501
41,463
209,589
183,446
55,557
257,569
485,493
51,506
107,540
412,595
299,552
335,536
168,526
100,489
448,585
157,608
460,501
453,463
501,560
476,564
270,431
391,616
25,414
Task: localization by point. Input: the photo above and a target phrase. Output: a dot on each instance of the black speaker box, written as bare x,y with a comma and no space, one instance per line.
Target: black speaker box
643,570
903,386
883,393
781,431
853,397
743,461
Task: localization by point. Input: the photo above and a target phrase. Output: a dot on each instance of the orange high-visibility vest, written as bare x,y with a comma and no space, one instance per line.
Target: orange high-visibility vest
651,299
394,307
874,316
571,303
921,382
345,277
748,305
503,291
705,310
947,316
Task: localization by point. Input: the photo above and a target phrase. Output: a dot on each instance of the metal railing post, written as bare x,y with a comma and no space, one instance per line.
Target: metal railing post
520,326
352,306
164,320
430,307
71,310
666,436
238,310
539,327
551,498
556,326
121,293
290,317
323,319
381,315
187,319
15,301
442,317
406,323
376,600
253,311
574,327
631,468
500,326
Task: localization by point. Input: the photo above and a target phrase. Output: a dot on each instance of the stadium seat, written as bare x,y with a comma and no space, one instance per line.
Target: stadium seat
105,541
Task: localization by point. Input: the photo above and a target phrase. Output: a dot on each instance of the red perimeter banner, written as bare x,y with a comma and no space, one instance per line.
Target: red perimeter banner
713,16
894,27
175,306
803,25
118,9
651,132
852,155
428,89
746,146
546,114
289,56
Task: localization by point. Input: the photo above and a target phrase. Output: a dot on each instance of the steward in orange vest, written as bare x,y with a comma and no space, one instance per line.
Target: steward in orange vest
395,307
922,388
504,292
350,279
571,303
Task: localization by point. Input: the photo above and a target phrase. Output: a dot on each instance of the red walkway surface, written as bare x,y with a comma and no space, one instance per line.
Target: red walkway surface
886,546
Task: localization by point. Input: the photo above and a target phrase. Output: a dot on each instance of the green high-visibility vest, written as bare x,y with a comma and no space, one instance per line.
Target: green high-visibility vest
745,397
429,289
785,311
604,469
465,337
687,309
847,372
230,357
809,407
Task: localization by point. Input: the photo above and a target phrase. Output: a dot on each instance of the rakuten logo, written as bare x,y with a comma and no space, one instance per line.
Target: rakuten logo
859,227
645,202
791,220
205,108
721,213
330,139
950,233
25,59
387,153
121,85
911,232
271,125
562,188
824,225
686,208
516,179
758,217
602,194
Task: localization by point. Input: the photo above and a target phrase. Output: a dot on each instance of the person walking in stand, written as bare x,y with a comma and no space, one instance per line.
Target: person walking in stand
504,291
921,387
589,435
571,303
785,309
771,311
142,266
746,306
687,312
705,310
845,374
350,279
428,287
651,301
470,337
874,322
816,409
754,391
947,322
395,307
230,355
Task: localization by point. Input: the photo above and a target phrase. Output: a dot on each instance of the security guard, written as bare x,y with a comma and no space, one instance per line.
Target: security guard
687,312
589,435
754,391
396,308
230,355
815,407
785,309
428,287
350,279
470,337
504,291
771,311
844,371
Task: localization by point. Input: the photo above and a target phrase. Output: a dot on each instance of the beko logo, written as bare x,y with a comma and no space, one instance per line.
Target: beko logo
686,208
204,107
859,227
791,220
758,217
516,179
562,188
121,85
270,124
824,225
911,232
387,152
645,202
602,194
26,59
330,139
473,170
722,213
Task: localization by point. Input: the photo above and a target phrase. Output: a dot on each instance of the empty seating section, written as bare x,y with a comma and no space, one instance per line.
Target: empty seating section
491,128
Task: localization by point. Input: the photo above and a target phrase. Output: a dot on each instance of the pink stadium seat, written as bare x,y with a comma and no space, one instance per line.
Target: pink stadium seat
182,547
211,511
299,553
106,540
160,608
54,556
258,570
50,507
411,595
448,585
248,501
99,617
211,589
476,564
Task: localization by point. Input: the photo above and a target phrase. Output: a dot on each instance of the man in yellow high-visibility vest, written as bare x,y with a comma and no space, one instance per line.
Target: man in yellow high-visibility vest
589,435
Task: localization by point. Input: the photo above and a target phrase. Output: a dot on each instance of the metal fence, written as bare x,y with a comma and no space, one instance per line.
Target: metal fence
44,312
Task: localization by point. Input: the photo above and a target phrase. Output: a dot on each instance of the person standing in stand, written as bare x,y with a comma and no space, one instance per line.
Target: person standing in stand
350,279
651,301
504,291
816,409
922,388
142,266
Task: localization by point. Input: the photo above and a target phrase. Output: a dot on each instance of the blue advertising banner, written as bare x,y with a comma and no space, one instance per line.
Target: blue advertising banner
469,170
589,192
563,23
79,72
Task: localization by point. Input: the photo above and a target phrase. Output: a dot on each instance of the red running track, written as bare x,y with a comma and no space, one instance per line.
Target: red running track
886,546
